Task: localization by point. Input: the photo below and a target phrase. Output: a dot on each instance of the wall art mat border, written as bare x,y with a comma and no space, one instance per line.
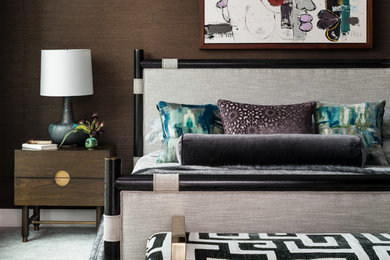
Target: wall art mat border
285,24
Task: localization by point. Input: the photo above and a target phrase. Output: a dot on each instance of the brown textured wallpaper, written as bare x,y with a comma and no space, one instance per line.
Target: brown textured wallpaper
111,29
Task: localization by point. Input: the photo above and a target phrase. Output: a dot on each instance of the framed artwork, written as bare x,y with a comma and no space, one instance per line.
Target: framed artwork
285,24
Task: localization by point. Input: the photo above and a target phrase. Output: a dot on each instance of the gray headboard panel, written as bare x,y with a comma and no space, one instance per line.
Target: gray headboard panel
261,86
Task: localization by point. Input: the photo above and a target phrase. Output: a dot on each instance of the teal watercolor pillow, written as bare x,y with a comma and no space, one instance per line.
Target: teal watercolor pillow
178,119
364,120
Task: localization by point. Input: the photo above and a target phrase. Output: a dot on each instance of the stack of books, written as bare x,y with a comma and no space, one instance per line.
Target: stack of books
39,145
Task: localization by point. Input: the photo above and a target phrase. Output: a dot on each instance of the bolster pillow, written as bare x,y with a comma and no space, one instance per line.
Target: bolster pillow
274,149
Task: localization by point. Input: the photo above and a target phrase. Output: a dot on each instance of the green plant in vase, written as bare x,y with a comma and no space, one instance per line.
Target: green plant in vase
92,128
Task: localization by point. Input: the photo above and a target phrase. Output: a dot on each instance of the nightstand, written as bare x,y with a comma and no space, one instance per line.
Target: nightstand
68,177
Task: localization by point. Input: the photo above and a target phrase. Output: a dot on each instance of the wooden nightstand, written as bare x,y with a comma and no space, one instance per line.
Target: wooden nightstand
69,177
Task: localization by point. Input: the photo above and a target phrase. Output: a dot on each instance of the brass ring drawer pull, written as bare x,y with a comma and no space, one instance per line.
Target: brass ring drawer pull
62,178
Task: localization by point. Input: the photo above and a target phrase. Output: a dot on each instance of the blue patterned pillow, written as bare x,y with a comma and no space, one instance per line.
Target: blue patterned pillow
178,119
364,120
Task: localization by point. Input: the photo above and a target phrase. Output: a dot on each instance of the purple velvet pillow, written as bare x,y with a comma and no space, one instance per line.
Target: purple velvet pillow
240,118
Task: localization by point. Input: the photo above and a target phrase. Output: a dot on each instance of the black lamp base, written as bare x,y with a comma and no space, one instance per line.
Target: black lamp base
57,131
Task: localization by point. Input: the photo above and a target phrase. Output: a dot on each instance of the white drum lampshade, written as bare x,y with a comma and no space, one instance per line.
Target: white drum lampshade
66,73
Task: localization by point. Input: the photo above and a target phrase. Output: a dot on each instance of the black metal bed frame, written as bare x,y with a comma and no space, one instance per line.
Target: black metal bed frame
114,182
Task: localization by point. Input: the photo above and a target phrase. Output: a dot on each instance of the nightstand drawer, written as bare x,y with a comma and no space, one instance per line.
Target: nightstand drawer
45,164
45,192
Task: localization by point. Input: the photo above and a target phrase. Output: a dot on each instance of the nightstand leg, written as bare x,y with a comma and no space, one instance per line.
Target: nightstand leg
25,223
36,212
99,213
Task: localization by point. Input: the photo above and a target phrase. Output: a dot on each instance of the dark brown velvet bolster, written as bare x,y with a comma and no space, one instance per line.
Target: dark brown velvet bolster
275,149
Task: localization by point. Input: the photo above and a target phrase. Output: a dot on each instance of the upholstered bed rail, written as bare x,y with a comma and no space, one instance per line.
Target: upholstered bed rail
256,182
136,206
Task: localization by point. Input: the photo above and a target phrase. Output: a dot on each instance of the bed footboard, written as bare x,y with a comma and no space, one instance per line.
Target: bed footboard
138,206
147,212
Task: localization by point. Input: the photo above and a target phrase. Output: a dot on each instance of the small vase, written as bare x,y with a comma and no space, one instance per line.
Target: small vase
91,143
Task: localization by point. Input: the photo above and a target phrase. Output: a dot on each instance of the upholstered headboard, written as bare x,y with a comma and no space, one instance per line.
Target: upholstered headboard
274,82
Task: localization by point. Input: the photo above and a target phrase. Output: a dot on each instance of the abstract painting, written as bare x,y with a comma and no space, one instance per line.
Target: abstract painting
286,24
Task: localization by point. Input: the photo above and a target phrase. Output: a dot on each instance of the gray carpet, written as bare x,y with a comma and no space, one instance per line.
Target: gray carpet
47,243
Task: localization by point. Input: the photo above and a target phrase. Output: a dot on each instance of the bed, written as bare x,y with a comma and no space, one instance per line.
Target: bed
279,200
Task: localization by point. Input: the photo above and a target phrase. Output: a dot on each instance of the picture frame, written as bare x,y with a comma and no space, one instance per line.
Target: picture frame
285,24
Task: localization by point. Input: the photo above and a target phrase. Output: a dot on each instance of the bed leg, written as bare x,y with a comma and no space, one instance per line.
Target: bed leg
112,226
178,250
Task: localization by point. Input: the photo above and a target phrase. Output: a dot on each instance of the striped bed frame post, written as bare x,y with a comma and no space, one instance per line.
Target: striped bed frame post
112,171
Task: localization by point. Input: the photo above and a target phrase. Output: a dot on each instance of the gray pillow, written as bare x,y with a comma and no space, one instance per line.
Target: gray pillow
275,149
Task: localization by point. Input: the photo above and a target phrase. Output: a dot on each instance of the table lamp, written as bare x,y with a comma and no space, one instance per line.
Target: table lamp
66,73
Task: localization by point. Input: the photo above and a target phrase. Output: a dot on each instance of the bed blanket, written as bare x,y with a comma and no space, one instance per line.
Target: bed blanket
245,246
273,169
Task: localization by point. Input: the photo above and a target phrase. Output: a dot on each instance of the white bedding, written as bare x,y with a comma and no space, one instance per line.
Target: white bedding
150,161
